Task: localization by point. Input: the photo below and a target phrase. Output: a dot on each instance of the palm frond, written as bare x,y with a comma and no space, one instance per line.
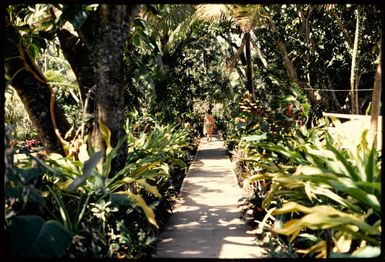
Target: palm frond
232,61
212,12
174,18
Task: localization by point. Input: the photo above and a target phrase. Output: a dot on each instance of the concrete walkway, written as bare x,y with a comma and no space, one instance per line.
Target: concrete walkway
206,220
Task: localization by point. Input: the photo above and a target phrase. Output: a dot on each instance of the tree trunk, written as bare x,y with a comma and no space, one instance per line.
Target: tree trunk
79,57
288,64
353,71
111,29
375,109
249,71
259,53
34,91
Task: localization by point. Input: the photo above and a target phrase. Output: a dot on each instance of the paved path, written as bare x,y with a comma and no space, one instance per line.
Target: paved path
206,220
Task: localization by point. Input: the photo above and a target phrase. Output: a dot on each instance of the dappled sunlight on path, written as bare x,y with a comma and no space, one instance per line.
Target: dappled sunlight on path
206,220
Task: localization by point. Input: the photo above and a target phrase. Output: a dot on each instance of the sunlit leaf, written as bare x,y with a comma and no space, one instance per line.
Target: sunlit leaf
139,201
367,252
152,189
106,133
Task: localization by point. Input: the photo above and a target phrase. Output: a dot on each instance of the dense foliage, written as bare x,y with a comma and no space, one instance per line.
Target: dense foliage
104,105
77,197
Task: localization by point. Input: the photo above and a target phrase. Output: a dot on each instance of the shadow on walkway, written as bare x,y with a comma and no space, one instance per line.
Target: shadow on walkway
206,220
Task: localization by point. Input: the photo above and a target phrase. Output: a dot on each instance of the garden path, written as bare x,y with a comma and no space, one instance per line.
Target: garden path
206,220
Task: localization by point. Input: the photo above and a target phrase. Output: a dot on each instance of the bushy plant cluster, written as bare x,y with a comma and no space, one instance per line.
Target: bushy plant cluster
324,198
273,120
74,206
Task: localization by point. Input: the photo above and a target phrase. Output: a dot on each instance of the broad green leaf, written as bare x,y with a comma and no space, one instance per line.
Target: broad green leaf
349,169
31,236
255,137
370,186
371,166
368,200
62,208
179,162
62,164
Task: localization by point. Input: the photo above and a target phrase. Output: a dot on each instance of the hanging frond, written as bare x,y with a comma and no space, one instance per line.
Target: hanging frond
232,61
212,12
182,30
172,19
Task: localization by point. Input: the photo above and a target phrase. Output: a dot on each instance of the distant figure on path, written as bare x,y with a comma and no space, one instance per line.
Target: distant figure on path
209,124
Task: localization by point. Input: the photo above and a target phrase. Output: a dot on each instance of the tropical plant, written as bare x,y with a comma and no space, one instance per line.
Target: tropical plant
81,193
336,189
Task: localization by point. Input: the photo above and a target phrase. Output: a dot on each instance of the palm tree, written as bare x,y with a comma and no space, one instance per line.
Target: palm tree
246,18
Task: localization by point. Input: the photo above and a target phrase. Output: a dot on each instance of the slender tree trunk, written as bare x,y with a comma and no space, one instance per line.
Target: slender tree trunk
259,53
288,64
34,91
353,71
249,70
291,73
375,109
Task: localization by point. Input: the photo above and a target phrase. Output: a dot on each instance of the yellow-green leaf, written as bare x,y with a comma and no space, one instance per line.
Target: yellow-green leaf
152,189
106,133
139,201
